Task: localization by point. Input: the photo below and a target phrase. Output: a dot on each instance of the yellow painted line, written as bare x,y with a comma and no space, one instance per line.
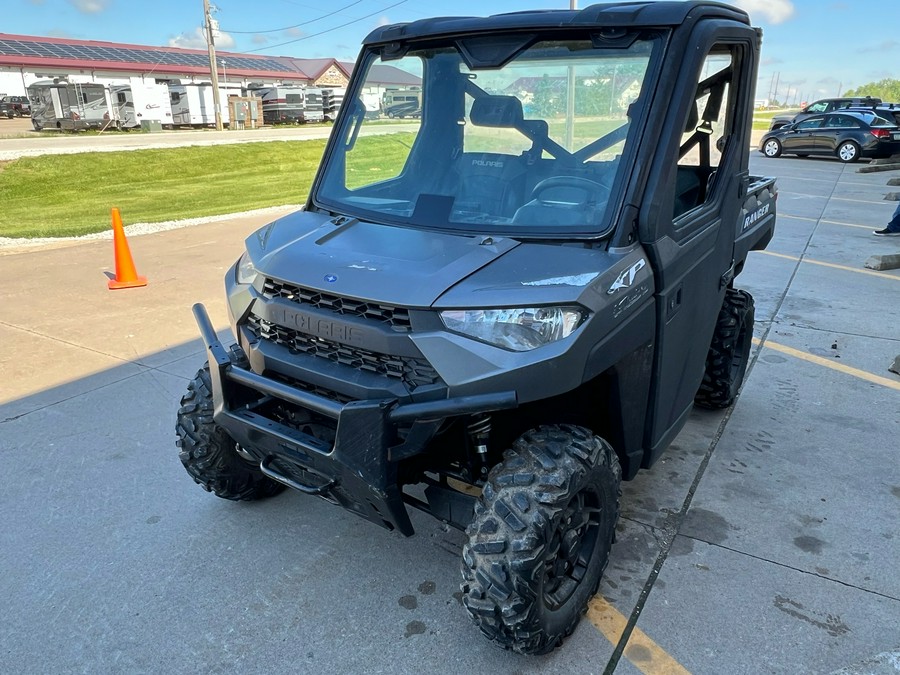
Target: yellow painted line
828,363
871,273
644,653
861,227
828,222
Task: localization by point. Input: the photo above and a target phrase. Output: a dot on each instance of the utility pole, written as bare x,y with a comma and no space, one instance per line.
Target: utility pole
213,74
570,99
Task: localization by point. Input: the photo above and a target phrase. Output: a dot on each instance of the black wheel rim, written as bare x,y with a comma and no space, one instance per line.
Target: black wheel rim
571,548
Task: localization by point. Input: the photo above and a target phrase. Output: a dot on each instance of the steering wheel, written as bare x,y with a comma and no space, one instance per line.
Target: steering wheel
593,192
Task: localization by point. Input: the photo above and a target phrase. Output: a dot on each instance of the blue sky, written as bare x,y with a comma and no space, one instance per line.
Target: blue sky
814,47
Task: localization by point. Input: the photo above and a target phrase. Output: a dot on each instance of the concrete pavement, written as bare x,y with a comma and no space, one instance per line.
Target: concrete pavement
764,540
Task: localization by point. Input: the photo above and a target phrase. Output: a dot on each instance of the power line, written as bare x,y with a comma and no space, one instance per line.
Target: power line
343,25
296,25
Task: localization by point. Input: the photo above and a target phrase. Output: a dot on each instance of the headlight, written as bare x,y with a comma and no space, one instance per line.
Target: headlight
246,273
516,329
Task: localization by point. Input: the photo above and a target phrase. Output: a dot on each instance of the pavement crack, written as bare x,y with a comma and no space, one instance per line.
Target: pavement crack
65,342
804,326
793,568
69,398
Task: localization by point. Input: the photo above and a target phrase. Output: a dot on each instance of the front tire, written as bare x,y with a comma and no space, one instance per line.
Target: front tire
772,148
541,537
729,353
210,455
848,152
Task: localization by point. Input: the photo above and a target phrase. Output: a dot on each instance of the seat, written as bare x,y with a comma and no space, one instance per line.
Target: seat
490,183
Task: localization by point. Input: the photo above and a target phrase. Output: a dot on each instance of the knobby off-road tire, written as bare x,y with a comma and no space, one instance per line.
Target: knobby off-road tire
729,353
541,537
210,455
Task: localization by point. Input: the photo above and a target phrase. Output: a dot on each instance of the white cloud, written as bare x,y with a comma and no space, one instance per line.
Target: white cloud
771,11
196,39
259,39
90,6
885,46
384,21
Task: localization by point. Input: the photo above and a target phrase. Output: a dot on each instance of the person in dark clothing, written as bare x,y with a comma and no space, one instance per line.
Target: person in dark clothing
893,227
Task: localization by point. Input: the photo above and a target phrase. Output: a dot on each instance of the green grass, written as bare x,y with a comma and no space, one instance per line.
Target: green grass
66,195
763,118
71,195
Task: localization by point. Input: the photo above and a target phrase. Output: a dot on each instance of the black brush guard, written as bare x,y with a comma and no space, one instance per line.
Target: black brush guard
359,471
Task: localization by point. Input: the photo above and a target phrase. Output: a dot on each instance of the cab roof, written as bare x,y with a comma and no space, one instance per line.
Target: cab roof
622,14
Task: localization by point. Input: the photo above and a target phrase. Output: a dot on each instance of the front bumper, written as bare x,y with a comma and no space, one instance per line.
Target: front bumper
359,469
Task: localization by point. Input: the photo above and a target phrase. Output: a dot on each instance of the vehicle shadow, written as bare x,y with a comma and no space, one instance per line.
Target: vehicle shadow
111,550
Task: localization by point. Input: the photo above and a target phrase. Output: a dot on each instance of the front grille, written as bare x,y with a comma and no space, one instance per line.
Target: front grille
412,372
311,388
396,317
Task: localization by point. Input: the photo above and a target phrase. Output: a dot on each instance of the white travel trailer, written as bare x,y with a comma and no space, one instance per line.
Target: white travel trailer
332,100
193,104
70,106
141,101
372,102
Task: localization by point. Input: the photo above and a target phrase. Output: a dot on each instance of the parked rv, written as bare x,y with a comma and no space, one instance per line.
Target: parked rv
332,99
70,106
194,104
290,104
142,101
402,103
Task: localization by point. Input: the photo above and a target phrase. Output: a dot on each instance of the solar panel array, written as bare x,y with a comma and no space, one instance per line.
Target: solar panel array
159,57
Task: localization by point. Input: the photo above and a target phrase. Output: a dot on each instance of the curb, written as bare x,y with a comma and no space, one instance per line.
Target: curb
890,261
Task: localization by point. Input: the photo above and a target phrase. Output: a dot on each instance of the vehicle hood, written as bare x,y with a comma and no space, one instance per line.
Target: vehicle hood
369,261
540,274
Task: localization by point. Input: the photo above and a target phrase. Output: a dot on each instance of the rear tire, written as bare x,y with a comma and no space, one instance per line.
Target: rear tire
729,353
848,152
210,455
541,538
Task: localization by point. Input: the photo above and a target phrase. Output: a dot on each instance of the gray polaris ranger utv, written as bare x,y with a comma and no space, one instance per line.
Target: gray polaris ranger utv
497,311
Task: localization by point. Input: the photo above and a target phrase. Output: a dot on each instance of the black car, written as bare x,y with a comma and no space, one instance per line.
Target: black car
889,111
845,135
826,105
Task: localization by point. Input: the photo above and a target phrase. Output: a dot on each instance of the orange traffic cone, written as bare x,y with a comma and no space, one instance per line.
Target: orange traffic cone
126,275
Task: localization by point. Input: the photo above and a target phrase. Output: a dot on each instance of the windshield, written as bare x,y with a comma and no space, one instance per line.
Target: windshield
532,146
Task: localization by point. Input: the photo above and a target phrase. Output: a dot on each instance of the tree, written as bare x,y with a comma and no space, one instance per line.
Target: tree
887,89
547,99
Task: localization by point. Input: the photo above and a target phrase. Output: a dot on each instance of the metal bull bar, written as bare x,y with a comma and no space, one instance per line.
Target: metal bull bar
357,472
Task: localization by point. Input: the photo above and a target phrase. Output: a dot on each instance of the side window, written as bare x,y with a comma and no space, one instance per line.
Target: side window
372,159
822,106
707,131
812,123
839,121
